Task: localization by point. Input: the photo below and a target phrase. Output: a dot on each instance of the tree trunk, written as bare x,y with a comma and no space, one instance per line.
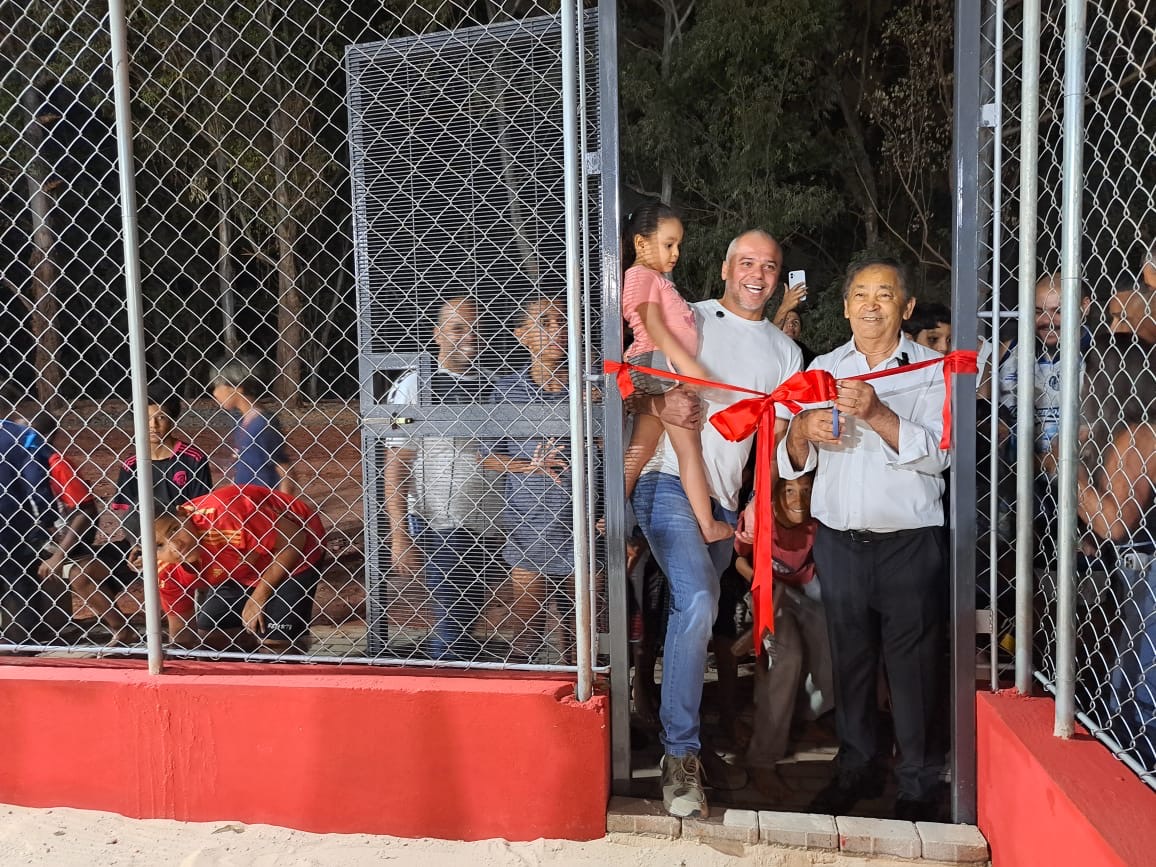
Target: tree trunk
226,273
282,124
860,180
46,276
669,30
290,332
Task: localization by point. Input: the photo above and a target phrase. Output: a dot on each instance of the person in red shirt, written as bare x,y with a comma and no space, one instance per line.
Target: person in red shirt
794,677
254,554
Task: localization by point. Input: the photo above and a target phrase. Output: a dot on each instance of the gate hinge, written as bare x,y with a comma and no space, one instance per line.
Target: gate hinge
592,160
989,115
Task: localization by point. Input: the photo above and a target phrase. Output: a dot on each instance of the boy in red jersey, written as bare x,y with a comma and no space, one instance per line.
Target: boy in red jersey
255,555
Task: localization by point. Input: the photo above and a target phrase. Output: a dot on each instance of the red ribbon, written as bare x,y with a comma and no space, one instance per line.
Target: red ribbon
737,422
757,415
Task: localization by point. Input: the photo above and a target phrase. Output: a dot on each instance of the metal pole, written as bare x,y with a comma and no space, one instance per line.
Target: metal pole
613,435
965,303
1070,325
575,343
118,30
1025,375
588,355
996,244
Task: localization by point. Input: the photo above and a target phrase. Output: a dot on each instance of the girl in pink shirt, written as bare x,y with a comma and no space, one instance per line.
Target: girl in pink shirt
665,338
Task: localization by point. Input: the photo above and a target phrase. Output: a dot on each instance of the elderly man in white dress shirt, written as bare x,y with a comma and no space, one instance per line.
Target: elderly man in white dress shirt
880,547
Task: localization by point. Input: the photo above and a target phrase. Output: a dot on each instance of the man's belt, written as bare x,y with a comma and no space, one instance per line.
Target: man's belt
867,537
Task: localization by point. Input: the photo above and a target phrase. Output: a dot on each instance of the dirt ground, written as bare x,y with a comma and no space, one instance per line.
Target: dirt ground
63,837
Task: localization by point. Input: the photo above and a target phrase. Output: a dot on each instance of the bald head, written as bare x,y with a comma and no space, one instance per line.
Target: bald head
751,273
1049,291
456,334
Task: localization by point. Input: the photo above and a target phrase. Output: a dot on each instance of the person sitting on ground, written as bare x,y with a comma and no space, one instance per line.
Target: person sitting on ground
262,458
254,554
794,679
930,326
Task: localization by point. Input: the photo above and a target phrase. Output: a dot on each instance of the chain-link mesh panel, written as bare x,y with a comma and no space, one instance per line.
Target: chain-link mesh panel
1116,620
380,368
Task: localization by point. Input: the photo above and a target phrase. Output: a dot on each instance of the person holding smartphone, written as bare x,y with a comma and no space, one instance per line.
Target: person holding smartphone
794,296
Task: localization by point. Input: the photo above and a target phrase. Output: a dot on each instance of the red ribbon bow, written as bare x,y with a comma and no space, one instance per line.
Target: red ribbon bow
757,415
737,422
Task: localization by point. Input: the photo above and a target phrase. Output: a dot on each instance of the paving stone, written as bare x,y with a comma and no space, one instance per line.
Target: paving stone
878,837
740,826
640,816
801,830
956,844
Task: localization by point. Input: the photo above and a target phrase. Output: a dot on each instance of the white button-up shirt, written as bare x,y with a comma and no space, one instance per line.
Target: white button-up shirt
864,484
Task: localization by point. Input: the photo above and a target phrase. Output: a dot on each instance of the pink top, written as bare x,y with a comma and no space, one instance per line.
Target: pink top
644,286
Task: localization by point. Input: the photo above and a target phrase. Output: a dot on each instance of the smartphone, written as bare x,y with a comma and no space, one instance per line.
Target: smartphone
794,278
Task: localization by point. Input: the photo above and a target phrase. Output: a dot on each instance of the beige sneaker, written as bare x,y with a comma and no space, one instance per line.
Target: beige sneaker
682,793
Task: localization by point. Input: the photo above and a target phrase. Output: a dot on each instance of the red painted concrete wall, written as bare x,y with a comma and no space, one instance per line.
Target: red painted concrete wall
454,757
1047,802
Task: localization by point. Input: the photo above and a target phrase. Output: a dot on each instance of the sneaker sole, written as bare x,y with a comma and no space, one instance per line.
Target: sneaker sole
682,809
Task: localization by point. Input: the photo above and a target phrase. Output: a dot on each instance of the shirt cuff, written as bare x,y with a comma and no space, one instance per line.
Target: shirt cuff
918,448
786,469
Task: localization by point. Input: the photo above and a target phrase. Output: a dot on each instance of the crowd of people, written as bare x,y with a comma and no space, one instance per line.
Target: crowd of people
239,555
854,497
1114,498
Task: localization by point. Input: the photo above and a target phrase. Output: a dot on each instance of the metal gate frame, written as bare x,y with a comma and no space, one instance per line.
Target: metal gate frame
964,309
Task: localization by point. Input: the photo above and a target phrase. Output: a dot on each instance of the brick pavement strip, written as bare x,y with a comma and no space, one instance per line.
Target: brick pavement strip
740,826
955,844
801,830
878,837
640,816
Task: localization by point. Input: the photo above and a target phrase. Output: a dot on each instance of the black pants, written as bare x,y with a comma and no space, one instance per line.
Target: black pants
887,595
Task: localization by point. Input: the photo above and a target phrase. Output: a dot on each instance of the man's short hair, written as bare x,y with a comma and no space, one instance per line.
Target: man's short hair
762,233
242,372
855,268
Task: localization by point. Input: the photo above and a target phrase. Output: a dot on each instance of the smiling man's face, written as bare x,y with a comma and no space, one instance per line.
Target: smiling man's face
751,273
876,303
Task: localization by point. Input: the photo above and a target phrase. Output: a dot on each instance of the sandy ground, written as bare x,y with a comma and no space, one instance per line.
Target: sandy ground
63,837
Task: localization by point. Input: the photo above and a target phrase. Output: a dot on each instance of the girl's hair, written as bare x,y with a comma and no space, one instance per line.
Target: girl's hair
643,221
242,372
163,395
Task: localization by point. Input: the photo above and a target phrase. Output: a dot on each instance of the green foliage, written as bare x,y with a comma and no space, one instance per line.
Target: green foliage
742,108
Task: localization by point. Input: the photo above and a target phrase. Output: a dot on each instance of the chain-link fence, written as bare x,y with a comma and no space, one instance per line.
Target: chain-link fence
356,223
1068,278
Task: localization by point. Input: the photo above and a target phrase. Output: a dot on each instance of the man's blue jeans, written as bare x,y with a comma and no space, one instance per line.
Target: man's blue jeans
692,570
456,566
